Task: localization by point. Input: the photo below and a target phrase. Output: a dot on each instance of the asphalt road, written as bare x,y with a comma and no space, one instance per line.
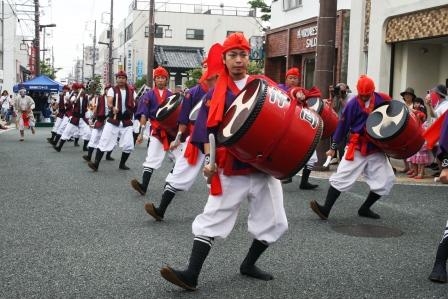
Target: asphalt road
68,232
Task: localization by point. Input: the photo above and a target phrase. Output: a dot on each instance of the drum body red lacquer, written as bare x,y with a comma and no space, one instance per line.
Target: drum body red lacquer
168,113
328,115
395,130
265,128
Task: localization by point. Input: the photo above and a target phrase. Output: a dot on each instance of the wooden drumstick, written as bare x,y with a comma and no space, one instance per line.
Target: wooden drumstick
212,143
327,162
116,105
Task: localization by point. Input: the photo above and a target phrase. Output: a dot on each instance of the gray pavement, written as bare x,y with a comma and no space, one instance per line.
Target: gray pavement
68,232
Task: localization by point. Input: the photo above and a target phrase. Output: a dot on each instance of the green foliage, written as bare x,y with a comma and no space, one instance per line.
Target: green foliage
265,9
256,67
194,75
47,70
139,83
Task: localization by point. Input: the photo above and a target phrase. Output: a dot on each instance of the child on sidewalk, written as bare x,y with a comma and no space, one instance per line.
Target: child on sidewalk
423,157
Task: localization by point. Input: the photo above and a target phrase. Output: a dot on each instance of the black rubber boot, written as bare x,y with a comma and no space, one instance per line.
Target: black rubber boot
56,139
324,211
438,273
304,184
76,142
109,157
84,147
188,279
59,147
53,135
143,187
88,157
364,210
124,158
167,197
135,135
248,266
98,157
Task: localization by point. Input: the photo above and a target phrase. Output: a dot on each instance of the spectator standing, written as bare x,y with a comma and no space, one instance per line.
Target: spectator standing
408,96
4,102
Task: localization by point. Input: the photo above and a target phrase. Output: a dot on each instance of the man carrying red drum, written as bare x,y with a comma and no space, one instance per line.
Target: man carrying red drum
158,139
232,180
361,157
292,80
439,132
188,165
121,106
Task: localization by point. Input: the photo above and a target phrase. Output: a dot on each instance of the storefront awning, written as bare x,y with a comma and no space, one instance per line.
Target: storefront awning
178,58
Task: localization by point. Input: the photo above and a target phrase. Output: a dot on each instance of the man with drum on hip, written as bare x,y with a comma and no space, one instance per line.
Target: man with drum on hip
121,106
438,132
188,165
24,106
158,139
232,184
361,157
292,80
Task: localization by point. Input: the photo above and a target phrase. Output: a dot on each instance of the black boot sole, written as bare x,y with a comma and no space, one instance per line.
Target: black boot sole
87,158
315,208
151,210
110,159
136,186
170,276
93,166
439,278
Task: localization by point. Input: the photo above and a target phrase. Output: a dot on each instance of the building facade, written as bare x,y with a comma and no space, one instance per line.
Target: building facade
292,38
184,32
399,44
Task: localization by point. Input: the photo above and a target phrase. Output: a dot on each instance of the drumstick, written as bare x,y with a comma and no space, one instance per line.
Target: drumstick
177,140
116,106
327,162
212,144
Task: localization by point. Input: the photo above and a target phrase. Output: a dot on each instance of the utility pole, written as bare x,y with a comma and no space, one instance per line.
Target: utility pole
325,52
151,33
94,51
111,41
52,61
82,65
36,37
43,46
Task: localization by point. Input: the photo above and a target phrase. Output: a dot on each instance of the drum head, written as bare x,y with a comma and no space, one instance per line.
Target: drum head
168,106
243,112
315,104
387,120
195,110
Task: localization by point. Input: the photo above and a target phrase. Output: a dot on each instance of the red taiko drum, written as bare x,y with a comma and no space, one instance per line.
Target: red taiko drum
328,115
395,130
264,128
168,113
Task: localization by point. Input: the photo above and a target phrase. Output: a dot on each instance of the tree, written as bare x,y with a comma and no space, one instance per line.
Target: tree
255,67
47,70
265,9
139,83
194,75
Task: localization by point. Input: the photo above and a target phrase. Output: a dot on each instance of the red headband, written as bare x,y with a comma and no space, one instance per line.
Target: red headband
365,86
293,72
161,72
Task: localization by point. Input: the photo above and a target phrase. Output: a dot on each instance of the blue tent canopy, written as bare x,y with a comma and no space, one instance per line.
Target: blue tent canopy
40,83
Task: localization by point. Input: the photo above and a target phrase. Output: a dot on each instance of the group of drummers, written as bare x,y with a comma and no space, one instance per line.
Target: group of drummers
246,134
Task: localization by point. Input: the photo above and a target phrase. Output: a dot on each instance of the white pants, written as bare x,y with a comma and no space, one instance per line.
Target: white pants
65,121
267,219
85,131
110,135
57,124
155,153
375,168
312,161
95,137
69,132
136,125
183,175
31,121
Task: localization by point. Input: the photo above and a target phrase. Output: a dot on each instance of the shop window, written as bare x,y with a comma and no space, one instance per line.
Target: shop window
291,4
197,34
